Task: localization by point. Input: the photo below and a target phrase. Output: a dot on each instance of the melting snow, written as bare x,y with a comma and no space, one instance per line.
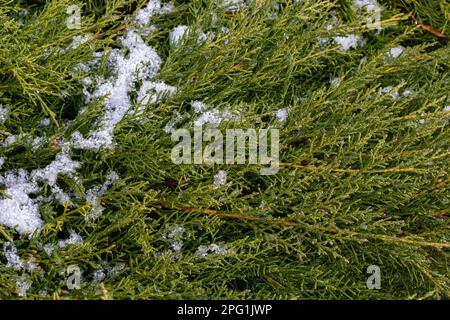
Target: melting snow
152,8
114,271
151,91
407,93
233,5
174,236
370,5
3,113
177,34
392,93
74,239
36,143
48,249
169,127
10,140
141,64
17,209
350,41
94,195
220,178
199,106
214,117
62,164
79,40
335,82
212,249
45,122
136,63
281,115
98,275
396,52
23,285
13,259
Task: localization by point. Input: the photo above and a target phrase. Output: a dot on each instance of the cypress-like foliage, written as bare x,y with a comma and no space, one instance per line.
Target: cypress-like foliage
363,115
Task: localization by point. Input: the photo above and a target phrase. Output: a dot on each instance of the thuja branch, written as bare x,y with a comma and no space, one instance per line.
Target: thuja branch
349,170
286,223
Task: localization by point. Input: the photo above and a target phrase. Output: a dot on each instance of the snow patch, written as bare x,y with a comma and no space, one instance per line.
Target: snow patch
199,106
98,275
23,285
74,239
48,249
62,164
79,40
115,270
281,115
37,142
233,5
134,64
17,209
13,259
396,52
4,112
370,5
335,82
45,122
213,248
94,195
177,35
174,236
351,41
151,92
152,8
220,179
170,126
141,63
392,93
214,117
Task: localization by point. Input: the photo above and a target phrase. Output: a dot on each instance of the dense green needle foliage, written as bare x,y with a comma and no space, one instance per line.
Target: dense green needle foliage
364,171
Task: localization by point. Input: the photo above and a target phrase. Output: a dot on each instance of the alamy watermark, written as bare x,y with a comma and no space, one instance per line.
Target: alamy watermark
238,147
73,21
74,279
374,280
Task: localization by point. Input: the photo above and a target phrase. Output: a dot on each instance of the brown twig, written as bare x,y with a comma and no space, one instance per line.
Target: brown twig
428,28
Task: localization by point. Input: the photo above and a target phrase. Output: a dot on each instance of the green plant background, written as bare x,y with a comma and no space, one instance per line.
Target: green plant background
364,180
